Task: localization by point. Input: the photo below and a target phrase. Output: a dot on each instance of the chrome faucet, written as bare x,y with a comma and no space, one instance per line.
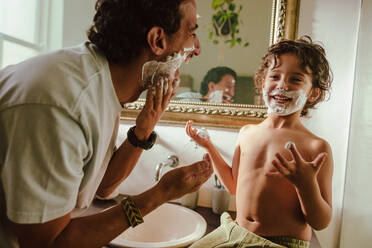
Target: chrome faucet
172,161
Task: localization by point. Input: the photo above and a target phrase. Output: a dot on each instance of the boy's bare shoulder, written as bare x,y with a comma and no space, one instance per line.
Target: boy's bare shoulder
247,128
317,143
245,131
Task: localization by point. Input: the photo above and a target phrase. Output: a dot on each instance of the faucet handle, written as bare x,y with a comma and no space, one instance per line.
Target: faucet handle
172,161
175,161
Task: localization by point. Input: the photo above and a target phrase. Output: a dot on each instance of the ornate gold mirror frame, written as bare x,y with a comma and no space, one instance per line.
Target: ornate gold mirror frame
283,26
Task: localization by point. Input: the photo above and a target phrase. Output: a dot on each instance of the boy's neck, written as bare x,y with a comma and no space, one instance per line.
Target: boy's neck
288,121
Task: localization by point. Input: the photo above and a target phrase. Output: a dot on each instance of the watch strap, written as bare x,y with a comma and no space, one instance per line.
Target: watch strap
131,211
144,144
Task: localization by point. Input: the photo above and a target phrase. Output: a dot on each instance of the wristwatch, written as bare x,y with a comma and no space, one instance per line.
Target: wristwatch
145,144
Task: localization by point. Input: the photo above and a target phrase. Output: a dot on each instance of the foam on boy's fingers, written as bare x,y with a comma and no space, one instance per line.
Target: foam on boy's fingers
289,145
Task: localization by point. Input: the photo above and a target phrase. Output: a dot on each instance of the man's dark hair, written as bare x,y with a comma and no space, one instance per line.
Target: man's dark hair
310,55
120,27
215,75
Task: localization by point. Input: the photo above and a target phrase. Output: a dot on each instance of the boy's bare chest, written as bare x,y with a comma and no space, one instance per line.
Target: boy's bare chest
258,150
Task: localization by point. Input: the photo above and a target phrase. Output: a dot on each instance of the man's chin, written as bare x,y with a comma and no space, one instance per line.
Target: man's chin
188,59
135,97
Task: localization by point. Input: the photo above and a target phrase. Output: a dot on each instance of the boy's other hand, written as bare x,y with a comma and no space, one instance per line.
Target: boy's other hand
298,171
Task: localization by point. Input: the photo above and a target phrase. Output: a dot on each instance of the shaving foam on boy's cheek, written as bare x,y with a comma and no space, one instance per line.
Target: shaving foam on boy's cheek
282,109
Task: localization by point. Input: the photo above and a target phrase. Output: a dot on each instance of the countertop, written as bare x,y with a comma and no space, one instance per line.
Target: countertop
212,219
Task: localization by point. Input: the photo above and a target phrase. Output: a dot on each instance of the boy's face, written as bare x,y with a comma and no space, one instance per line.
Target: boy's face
287,86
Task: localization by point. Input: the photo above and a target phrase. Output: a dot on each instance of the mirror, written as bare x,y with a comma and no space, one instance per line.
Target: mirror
232,101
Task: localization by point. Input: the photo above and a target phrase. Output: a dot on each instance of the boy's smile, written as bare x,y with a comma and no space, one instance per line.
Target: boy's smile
280,97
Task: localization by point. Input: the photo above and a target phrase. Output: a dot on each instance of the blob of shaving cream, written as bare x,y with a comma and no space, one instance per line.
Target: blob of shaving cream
289,145
203,133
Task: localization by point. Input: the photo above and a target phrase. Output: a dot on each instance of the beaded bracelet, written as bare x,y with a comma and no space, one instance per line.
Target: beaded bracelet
131,211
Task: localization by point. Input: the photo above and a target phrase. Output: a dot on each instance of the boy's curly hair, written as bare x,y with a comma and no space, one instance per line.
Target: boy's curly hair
310,55
120,27
215,75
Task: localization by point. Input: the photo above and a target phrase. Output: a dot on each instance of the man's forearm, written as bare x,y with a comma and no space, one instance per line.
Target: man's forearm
119,168
99,229
316,210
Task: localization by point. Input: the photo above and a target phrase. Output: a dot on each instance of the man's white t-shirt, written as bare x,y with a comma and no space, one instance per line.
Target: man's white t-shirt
58,123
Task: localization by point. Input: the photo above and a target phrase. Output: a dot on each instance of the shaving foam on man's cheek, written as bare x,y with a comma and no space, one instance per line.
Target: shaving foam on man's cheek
151,70
171,65
216,96
148,72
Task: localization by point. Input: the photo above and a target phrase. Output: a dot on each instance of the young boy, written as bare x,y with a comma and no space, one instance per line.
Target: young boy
281,172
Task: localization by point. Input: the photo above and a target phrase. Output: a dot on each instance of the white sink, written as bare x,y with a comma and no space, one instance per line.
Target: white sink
169,225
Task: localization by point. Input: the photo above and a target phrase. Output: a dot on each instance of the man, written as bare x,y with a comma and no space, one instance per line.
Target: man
218,86
58,125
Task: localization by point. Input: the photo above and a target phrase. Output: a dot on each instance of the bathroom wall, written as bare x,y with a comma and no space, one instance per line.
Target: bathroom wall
335,24
77,17
357,210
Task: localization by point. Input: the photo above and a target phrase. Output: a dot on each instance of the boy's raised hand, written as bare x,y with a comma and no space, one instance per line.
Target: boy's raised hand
298,171
193,133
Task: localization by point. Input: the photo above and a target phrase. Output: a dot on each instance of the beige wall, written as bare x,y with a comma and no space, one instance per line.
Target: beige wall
335,24
77,18
357,209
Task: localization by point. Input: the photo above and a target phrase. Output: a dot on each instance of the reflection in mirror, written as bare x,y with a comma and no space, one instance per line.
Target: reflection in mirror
238,62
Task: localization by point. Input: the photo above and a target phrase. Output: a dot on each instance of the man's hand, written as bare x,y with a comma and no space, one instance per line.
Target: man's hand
186,179
298,171
156,102
226,98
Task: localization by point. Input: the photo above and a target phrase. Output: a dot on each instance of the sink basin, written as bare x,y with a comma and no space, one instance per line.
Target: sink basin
169,225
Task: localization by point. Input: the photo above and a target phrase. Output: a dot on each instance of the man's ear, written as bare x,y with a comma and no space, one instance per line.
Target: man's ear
313,95
211,86
156,38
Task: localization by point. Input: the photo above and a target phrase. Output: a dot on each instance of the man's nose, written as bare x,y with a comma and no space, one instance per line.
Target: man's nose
230,91
197,45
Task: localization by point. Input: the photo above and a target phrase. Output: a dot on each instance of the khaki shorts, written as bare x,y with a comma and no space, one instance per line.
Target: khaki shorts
230,234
